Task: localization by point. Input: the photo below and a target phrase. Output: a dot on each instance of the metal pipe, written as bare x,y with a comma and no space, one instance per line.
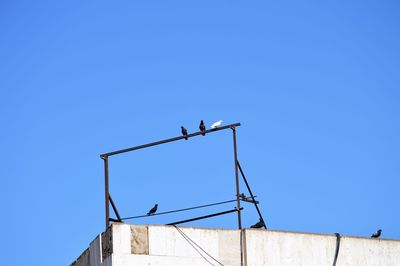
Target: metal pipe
238,196
107,195
114,208
168,140
251,194
237,179
204,217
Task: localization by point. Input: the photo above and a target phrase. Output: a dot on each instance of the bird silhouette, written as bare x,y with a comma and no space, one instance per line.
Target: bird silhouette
184,132
153,210
247,199
377,234
216,124
202,128
258,225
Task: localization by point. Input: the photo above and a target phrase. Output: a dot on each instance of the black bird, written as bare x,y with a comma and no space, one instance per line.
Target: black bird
184,132
258,225
377,234
243,196
247,199
202,128
153,210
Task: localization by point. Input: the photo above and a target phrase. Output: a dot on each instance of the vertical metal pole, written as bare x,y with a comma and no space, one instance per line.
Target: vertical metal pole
237,178
237,196
107,194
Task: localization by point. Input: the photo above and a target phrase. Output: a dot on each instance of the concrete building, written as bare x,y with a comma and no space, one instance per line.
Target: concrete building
128,245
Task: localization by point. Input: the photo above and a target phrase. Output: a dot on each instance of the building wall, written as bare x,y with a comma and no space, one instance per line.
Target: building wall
288,248
127,245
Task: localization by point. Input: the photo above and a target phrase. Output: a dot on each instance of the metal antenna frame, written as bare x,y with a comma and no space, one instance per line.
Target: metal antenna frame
106,156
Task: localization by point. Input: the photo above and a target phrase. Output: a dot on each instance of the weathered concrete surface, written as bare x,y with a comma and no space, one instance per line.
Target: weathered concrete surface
164,245
139,240
121,238
229,247
106,243
129,260
95,251
277,248
281,248
221,244
167,241
364,251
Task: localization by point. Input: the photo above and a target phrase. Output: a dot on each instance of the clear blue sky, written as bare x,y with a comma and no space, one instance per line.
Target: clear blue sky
315,85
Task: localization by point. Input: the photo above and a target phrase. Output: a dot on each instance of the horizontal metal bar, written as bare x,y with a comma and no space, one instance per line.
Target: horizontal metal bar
168,140
204,217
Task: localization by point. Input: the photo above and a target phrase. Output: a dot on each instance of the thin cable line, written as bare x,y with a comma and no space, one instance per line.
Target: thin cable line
186,238
179,210
192,244
337,248
191,240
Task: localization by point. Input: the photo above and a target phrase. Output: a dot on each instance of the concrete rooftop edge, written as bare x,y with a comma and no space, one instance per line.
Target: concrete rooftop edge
152,244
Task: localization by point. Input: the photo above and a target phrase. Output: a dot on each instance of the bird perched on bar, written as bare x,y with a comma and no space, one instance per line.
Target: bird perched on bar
247,199
243,196
202,128
216,124
377,234
184,132
153,210
258,225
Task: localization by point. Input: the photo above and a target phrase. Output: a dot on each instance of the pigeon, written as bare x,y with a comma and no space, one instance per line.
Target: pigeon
216,124
184,132
247,199
202,128
258,225
153,210
377,234
243,196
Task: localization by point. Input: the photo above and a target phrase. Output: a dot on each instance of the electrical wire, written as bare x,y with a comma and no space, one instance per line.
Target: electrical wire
191,242
337,248
185,237
179,210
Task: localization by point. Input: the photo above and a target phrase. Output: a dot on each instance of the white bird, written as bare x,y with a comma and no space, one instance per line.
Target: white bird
216,124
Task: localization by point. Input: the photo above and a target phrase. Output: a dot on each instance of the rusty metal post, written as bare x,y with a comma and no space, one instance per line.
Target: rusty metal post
237,178
238,197
106,191
115,208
